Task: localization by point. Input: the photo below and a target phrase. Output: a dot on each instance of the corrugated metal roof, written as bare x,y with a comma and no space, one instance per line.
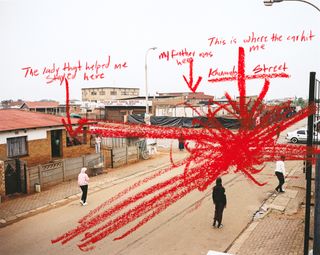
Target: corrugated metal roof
13,119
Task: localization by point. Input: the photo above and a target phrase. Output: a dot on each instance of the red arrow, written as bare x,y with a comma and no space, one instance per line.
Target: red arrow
190,82
81,122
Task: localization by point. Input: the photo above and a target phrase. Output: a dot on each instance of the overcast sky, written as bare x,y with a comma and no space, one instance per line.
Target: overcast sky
38,34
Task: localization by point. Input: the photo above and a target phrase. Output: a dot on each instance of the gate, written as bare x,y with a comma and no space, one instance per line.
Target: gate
312,142
15,172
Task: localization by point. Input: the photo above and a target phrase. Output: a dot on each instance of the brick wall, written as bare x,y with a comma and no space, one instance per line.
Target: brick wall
3,151
77,150
39,151
2,180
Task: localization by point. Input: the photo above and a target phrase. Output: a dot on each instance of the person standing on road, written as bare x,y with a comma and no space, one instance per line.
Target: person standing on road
181,141
220,202
280,172
83,181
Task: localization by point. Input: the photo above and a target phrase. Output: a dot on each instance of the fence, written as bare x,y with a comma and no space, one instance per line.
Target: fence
62,170
114,142
124,155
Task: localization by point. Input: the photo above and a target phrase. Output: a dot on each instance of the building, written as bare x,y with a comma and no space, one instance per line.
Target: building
38,138
50,107
108,93
118,110
181,104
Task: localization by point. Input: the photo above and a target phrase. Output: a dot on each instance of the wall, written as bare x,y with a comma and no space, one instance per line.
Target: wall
58,171
104,93
39,145
124,155
2,180
39,151
32,134
77,150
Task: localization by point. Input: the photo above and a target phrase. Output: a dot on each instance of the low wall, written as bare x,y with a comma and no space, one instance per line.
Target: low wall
59,171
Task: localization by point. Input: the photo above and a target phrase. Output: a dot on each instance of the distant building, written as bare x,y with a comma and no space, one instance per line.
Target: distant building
5,104
181,104
50,107
108,93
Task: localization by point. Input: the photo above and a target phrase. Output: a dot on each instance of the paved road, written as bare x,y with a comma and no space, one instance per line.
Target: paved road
184,228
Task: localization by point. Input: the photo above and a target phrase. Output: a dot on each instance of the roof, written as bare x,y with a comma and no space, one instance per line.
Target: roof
40,104
189,95
13,119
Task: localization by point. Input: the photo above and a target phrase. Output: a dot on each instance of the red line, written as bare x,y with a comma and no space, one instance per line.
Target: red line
251,77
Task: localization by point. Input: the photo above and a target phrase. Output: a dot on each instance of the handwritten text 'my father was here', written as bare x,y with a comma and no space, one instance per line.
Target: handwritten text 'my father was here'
87,70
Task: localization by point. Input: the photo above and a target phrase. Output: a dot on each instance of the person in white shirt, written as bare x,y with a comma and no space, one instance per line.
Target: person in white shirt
98,143
280,172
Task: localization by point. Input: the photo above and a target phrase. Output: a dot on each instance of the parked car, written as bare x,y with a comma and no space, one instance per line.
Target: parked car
300,136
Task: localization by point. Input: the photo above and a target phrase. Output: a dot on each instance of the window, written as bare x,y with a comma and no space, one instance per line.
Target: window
79,139
102,93
113,93
301,132
93,93
124,93
17,146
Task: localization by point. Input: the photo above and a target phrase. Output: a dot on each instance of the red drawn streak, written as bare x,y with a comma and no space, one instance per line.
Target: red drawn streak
251,77
215,153
189,82
68,124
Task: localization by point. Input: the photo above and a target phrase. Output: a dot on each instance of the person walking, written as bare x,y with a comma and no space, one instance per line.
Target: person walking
220,202
98,143
280,172
83,181
181,140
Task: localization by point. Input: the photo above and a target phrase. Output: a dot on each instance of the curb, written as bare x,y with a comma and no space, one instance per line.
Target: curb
245,234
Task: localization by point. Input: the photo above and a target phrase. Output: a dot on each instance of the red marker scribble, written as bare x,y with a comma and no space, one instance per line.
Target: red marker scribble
216,152
192,87
68,125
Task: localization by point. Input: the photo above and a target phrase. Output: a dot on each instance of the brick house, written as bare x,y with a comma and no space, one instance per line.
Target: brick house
38,138
50,107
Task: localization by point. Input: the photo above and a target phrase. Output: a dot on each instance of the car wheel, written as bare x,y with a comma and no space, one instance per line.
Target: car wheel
294,140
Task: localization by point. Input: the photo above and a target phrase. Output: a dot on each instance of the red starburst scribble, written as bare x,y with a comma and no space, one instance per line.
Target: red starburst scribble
215,152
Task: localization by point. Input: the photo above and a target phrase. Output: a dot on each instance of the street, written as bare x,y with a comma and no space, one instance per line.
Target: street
183,228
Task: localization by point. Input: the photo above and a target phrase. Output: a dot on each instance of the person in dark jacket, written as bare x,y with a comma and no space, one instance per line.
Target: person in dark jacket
220,202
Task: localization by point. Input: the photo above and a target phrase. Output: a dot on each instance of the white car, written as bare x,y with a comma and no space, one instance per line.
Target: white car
300,136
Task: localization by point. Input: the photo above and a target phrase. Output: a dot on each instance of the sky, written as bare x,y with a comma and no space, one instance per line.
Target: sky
104,43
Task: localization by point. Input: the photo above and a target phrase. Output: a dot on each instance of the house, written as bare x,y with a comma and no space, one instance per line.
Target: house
38,138
50,107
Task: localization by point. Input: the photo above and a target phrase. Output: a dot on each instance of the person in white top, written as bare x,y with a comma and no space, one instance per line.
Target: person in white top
280,172
97,143
83,181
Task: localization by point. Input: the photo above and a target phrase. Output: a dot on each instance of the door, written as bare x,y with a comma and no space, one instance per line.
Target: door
56,143
12,177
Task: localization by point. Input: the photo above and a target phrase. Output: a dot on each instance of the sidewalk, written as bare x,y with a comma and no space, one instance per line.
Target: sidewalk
278,227
14,209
